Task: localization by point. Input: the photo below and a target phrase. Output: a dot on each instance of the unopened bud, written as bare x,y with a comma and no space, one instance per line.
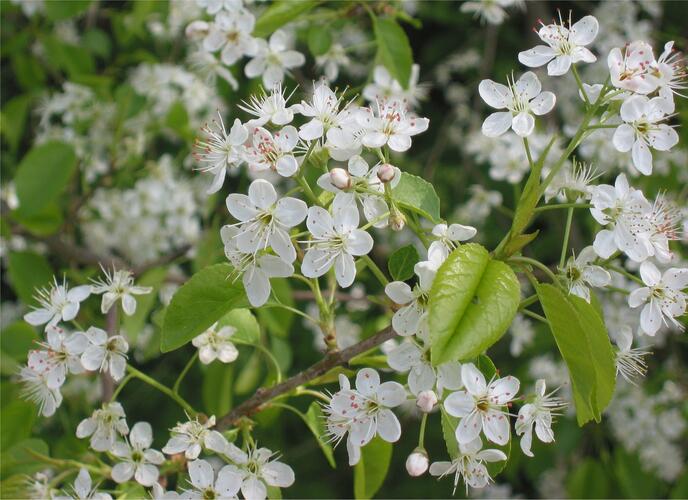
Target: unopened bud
417,463
340,178
397,221
197,29
426,401
386,172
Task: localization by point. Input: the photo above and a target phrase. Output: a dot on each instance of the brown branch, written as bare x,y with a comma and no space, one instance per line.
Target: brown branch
336,358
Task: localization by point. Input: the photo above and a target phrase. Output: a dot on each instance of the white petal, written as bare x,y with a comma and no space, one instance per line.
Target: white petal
584,31
391,394
141,435
291,211
559,65
399,142
496,124
523,124
663,139
388,426
278,474
345,269
146,474
287,166
494,94
459,404
262,194
651,318
241,207
503,390
543,103
399,292
228,481
473,379
624,137
122,472
367,381
528,85
201,473
253,489
537,56
496,427
469,428
642,157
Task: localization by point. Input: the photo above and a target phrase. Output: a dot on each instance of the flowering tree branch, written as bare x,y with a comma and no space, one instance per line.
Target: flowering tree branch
333,359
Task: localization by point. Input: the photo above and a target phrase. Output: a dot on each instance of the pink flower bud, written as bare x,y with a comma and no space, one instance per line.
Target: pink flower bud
197,29
386,172
417,463
426,401
340,178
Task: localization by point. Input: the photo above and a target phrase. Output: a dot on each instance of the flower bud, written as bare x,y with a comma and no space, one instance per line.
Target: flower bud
386,172
397,221
417,463
197,29
340,178
426,401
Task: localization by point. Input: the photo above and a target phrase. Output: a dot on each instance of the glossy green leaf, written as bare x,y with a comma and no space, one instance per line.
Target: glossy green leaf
315,420
402,261
584,344
43,175
417,195
247,328
17,418
28,271
17,339
472,303
370,472
319,39
200,302
393,49
279,14
449,424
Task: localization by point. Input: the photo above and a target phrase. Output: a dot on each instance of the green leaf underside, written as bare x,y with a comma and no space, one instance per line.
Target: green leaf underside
200,302
417,195
402,262
393,49
584,344
370,472
472,303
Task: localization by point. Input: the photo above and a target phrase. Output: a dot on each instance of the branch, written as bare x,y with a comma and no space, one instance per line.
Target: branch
336,358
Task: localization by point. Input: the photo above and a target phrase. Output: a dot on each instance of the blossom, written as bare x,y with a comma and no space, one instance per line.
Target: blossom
323,111
386,88
216,344
83,489
449,237
629,360
220,150
522,99
417,463
390,123
670,72
335,241
105,353
274,58
103,426
331,60
273,152
565,46
57,303
469,464
36,389
411,319
480,406
580,272
265,220
537,413
408,357
258,469
231,32
643,129
119,286
192,436
206,485
270,107
61,355
630,70
138,458
662,298
489,11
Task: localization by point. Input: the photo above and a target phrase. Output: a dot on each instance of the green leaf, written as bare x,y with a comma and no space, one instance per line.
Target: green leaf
18,459
279,14
98,42
17,338
449,424
17,418
247,328
393,49
28,271
43,175
370,472
584,344
402,261
218,381
43,223
14,114
319,39
315,420
588,480
200,302
417,195
277,320
472,303
57,11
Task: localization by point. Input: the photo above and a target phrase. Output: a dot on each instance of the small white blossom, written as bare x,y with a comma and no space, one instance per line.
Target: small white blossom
408,357
270,107
138,458
60,355
206,485
231,32
417,463
411,319
537,413
192,437
630,362
57,303
119,285
273,59
324,113
385,88
36,390
273,152
216,344
83,489
388,122
580,273
630,70
449,237
258,469
105,353
103,426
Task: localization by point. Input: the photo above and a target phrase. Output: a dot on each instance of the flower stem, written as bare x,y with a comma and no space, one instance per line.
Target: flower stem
121,386
535,316
162,388
189,364
579,82
268,355
562,205
626,274
421,436
538,264
375,270
567,234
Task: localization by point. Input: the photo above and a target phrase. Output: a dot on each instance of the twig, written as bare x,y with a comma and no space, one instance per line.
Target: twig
333,359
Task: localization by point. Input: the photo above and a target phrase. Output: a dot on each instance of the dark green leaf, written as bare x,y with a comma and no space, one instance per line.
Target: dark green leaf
14,114
319,39
588,480
472,303
18,458
200,302
315,420
57,11
217,388
43,223
417,195
402,261
279,14
28,271
449,424
370,472
393,49
17,338
277,320
17,417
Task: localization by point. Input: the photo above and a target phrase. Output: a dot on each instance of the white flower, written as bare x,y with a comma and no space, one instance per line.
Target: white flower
565,46
490,11
265,221
629,360
449,238
268,152
386,88
57,303
192,436
324,112
119,286
83,489
220,150
274,58
216,6
61,355
630,70
670,72
269,108
258,469
335,241
331,60
231,32
522,335
139,459
105,353
522,99
103,426
426,401
417,463
388,122
481,406
623,209
36,389
216,344
408,357
581,273
663,297
364,412
538,413
361,180
643,130
411,319
470,464
206,485
257,268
